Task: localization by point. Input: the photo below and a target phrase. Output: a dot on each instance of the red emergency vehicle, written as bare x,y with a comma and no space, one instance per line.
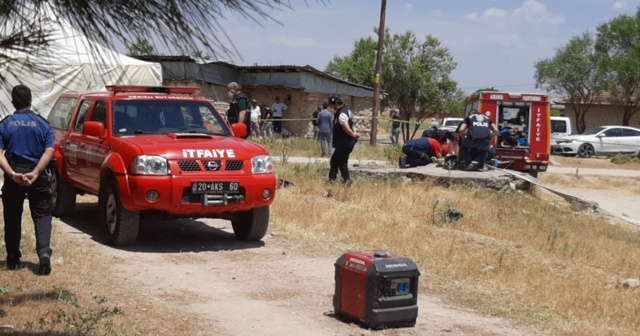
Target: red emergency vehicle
529,113
158,151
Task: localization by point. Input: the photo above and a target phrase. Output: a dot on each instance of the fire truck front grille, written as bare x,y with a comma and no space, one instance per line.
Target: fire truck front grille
188,165
210,166
234,165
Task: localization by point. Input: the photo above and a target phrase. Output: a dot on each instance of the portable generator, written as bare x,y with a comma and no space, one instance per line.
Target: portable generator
377,289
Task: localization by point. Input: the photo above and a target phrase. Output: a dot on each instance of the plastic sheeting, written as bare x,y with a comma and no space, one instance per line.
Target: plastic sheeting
70,62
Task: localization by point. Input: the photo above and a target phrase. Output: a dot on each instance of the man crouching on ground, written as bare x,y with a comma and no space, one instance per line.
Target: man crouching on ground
421,152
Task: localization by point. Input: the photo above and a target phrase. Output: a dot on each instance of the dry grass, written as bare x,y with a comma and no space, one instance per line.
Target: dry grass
512,255
594,162
549,267
283,148
78,298
591,182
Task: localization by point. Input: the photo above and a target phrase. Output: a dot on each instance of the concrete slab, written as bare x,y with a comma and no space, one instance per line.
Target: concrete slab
384,167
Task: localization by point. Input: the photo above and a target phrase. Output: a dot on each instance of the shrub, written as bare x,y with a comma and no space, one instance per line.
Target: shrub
623,159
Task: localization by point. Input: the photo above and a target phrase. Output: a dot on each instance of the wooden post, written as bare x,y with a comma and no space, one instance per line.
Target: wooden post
376,89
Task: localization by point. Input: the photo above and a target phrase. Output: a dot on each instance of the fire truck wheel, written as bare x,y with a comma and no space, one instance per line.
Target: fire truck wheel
251,225
122,224
585,151
63,196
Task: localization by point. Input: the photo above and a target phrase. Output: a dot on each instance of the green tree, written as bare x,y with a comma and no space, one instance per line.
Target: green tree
618,43
141,47
415,75
359,66
574,72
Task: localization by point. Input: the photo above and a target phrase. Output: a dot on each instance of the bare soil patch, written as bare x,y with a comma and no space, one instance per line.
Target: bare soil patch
193,278
198,272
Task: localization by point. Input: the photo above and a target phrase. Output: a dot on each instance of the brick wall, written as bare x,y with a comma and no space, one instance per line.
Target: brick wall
601,115
301,106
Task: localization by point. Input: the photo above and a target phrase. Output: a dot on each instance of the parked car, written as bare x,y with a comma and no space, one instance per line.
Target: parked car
603,140
158,151
560,129
451,123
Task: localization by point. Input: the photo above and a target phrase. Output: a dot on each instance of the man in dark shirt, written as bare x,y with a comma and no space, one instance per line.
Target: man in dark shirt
344,139
395,126
314,122
477,130
26,148
239,109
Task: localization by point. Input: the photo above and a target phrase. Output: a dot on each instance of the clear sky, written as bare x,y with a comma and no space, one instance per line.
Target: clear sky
494,42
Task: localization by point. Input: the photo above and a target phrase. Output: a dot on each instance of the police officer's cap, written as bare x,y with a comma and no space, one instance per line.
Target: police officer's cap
335,100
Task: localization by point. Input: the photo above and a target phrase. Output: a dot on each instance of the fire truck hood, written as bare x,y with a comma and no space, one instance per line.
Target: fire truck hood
195,146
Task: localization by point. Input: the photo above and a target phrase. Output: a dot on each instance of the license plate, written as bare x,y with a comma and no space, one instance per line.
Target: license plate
215,187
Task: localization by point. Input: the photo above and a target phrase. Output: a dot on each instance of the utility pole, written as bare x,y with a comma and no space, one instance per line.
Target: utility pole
376,88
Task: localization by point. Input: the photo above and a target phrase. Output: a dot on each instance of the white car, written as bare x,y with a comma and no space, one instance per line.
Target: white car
451,124
603,140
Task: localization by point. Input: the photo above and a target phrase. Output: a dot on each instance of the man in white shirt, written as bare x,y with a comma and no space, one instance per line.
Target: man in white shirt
278,109
255,119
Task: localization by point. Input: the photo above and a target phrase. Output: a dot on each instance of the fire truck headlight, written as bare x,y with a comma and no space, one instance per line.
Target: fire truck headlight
262,164
150,165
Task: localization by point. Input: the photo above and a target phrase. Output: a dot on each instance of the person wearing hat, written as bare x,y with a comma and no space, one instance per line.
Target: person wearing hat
239,109
255,119
26,149
344,139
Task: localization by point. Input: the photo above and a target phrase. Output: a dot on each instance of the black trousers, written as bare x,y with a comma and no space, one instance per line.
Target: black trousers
277,125
39,195
340,161
415,156
475,149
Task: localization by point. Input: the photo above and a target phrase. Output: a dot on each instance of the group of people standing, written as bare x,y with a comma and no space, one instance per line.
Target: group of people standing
333,126
262,121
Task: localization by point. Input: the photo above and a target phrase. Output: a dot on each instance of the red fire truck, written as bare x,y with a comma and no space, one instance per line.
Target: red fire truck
529,114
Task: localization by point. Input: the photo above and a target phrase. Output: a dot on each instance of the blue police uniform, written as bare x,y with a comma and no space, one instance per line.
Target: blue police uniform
24,137
478,140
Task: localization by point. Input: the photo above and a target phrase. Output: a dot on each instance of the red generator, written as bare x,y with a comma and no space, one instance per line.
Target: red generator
378,289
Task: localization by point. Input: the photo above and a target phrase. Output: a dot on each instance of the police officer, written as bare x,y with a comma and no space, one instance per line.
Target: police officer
479,130
344,139
26,148
239,109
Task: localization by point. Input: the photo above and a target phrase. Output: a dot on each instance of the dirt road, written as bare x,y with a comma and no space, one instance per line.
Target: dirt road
279,286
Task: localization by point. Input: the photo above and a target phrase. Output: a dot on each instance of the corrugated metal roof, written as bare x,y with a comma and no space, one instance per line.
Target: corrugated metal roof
254,69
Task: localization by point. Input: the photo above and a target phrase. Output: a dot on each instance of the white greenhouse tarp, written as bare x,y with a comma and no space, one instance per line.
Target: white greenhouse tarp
71,62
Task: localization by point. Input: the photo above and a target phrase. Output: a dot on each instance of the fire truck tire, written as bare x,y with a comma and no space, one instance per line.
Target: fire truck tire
533,173
251,225
63,196
585,151
122,225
